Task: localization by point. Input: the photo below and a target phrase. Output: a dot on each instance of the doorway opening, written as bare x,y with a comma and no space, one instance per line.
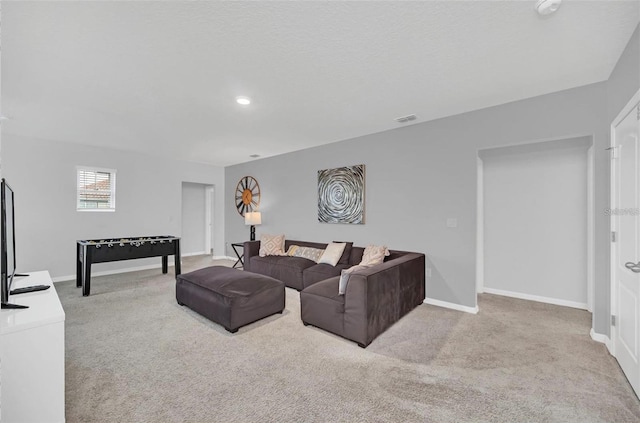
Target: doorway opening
197,219
535,222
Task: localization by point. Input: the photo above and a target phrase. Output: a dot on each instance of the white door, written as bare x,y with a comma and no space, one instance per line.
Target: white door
625,222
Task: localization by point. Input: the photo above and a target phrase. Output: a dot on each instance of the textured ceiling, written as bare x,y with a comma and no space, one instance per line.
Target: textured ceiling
161,77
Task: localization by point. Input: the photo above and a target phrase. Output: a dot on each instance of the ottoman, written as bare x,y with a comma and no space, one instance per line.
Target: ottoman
230,297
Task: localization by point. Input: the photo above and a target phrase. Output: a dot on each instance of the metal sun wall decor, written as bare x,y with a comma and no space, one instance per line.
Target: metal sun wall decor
247,195
341,195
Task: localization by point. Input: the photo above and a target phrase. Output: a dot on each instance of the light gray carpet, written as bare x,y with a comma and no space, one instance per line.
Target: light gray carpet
134,355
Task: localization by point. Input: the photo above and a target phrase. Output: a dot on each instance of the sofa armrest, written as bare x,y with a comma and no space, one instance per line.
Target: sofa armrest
250,249
377,297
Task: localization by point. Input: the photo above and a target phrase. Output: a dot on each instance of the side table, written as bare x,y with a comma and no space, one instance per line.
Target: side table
240,256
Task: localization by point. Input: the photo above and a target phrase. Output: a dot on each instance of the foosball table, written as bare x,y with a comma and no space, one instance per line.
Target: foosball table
117,249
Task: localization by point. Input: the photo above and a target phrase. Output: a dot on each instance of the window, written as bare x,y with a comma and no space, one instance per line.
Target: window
96,189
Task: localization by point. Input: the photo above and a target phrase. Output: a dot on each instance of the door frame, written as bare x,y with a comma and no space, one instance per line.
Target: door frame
611,345
208,218
590,215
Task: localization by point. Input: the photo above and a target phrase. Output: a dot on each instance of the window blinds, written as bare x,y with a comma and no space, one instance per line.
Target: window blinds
96,189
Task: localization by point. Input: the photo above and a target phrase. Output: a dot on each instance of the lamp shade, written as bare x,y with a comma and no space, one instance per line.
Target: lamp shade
252,218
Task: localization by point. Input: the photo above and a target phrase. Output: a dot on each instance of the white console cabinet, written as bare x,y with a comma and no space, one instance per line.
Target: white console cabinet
32,352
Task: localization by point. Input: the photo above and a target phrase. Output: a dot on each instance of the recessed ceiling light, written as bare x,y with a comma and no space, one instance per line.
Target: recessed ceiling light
255,155
245,101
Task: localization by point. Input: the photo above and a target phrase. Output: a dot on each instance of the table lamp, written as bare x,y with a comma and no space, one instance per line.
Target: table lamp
252,218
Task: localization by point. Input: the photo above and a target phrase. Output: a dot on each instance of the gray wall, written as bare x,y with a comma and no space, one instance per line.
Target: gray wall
420,175
193,218
624,81
148,200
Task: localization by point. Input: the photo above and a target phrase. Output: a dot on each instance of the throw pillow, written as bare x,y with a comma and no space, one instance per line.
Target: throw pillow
332,253
292,249
305,252
345,274
271,245
346,254
374,254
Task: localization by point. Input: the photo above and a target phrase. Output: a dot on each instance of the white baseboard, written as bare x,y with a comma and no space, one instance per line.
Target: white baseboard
113,272
225,258
598,337
454,306
138,268
519,295
199,253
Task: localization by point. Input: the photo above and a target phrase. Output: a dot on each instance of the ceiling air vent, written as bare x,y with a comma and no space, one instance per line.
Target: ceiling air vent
404,119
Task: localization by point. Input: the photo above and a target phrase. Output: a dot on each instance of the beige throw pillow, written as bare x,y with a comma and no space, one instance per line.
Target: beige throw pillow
271,245
374,254
332,253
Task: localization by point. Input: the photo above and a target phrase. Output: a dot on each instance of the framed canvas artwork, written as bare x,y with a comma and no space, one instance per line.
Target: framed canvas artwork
341,195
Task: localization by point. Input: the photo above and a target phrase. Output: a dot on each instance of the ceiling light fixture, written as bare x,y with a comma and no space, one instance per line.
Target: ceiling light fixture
245,101
254,155
547,7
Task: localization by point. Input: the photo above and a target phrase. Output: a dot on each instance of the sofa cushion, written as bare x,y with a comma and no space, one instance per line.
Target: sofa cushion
327,289
263,265
321,306
320,272
289,242
284,268
356,255
346,254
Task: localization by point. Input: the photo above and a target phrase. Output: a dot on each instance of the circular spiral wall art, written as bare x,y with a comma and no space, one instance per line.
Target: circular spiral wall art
341,195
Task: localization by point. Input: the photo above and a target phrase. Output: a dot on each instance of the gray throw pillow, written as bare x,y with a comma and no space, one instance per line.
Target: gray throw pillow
345,274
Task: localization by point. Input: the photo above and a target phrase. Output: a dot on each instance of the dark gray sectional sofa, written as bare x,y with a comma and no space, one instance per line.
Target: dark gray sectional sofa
297,272
375,297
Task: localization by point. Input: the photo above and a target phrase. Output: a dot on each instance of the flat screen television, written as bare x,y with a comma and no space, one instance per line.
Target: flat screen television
7,256
8,249
8,243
